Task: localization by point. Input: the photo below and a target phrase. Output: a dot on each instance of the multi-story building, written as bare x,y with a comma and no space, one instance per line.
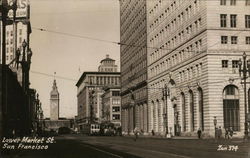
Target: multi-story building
14,32
133,52
89,89
17,35
111,102
18,31
196,46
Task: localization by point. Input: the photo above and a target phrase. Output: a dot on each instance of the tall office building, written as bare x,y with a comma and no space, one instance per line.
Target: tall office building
18,31
90,87
133,37
197,44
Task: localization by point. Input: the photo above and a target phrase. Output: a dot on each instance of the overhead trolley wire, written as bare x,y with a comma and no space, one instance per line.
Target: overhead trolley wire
119,43
50,75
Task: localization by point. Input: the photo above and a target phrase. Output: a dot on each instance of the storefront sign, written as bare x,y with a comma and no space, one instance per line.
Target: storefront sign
22,8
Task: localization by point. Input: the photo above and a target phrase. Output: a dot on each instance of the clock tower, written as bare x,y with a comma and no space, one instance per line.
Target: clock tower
54,102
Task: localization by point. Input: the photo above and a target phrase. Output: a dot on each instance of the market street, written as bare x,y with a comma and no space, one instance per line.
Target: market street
74,146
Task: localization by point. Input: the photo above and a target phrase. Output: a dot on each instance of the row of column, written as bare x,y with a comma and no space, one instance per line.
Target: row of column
104,80
135,116
157,110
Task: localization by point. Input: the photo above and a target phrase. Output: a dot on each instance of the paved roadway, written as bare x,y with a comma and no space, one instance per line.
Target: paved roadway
77,146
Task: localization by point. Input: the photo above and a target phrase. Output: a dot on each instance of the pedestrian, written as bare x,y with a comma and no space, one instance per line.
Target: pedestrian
226,133
216,133
136,132
199,133
231,132
153,133
219,133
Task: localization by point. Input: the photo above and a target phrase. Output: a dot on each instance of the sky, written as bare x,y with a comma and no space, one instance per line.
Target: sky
70,56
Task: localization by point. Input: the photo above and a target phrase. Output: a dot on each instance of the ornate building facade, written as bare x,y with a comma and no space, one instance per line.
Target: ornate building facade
193,77
90,87
133,24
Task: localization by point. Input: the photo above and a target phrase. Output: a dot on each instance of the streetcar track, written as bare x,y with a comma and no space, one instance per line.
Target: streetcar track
109,153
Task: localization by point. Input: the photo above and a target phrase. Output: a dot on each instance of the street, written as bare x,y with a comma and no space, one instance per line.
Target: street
76,146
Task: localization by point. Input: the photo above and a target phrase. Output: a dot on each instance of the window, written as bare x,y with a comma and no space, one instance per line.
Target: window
230,90
115,109
231,108
20,31
223,2
116,101
223,39
116,117
235,63
234,39
248,40
223,20
233,19
115,93
191,101
247,21
201,108
224,63
232,2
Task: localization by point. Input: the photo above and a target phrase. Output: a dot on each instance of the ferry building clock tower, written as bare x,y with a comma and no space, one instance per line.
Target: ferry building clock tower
54,102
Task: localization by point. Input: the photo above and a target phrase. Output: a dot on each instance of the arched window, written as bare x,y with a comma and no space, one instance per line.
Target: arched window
201,108
231,107
191,104
183,105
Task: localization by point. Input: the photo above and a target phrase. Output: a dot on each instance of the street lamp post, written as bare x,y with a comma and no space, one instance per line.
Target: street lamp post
243,72
37,113
165,92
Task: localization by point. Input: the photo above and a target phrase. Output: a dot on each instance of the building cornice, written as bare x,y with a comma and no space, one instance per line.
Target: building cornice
94,72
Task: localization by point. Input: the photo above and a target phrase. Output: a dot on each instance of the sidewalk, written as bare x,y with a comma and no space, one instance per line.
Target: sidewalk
163,137
186,138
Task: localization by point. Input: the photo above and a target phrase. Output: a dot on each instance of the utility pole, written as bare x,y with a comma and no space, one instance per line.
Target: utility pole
243,71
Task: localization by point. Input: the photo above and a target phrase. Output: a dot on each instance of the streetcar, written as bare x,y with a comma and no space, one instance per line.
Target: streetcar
91,129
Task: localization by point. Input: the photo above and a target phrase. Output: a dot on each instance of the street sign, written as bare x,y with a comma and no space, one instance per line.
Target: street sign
22,8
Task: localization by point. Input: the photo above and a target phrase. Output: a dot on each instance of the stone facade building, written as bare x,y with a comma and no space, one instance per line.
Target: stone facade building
90,87
111,102
133,24
193,54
